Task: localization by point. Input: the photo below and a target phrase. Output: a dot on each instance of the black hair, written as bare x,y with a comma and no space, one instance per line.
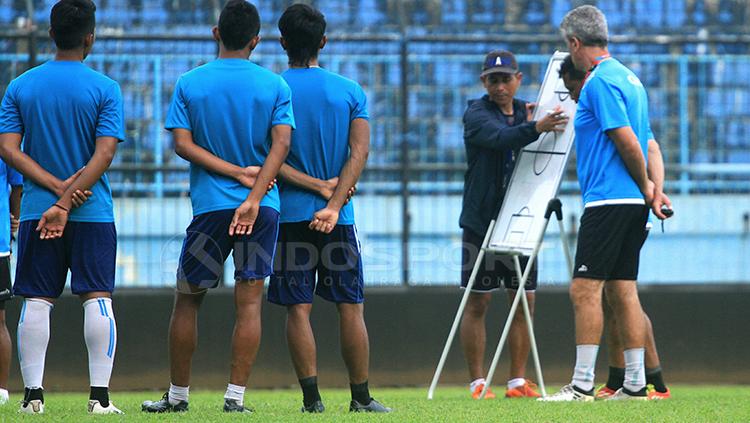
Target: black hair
239,22
568,68
303,28
71,21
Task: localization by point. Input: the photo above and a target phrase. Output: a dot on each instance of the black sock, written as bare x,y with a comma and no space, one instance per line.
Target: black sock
616,378
33,394
310,392
361,393
653,377
101,394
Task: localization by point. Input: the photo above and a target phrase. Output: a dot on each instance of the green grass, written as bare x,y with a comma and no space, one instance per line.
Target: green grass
451,404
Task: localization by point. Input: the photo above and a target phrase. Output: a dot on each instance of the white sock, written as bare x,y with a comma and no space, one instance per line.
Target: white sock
33,337
177,394
635,371
100,332
4,396
473,385
583,375
236,393
516,382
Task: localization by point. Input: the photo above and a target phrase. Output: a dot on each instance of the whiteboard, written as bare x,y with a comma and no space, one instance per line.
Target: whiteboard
538,173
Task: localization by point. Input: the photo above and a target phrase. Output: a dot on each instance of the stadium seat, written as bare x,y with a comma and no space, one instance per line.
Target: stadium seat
454,12
535,14
558,10
675,15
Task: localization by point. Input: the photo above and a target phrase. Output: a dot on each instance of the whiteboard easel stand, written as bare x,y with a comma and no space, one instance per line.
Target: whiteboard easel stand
554,206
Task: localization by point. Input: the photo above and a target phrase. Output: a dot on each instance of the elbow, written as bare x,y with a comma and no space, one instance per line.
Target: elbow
6,152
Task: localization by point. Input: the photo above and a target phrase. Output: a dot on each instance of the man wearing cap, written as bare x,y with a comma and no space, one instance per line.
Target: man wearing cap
496,127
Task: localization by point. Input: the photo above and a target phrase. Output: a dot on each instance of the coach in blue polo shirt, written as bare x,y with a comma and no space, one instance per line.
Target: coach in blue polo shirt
612,133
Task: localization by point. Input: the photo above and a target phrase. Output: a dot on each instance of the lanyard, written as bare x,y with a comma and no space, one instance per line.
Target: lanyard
595,64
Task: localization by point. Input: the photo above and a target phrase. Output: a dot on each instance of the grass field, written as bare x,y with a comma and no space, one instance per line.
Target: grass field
689,404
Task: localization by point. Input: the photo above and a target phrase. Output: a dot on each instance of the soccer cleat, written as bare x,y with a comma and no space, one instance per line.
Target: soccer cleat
4,398
478,391
163,406
569,393
623,394
316,407
95,407
373,407
604,392
234,406
653,394
32,407
524,391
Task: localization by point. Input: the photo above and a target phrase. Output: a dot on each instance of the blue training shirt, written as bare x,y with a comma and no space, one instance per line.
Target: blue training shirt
230,106
61,108
612,97
8,178
325,104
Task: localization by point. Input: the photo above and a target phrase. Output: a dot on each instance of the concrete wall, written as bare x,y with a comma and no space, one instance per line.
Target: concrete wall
701,332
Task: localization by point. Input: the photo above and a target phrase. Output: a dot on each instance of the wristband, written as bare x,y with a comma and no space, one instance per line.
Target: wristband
59,206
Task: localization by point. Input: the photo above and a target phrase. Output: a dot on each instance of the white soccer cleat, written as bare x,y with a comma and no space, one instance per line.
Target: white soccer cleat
621,395
568,393
4,397
96,408
32,407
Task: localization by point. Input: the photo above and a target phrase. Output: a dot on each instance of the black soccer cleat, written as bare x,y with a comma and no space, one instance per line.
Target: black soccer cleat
232,406
163,406
315,407
373,407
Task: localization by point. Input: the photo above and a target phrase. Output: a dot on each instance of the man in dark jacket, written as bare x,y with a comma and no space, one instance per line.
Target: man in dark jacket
496,127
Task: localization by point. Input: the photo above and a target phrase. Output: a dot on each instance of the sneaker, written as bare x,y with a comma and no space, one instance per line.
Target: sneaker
524,391
316,407
4,397
163,406
624,394
32,407
569,393
604,392
95,407
478,391
653,394
234,406
373,407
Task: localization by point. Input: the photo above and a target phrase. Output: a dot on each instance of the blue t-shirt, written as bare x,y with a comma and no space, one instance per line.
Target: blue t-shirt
612,97
8,178
325,104
230,106
61,108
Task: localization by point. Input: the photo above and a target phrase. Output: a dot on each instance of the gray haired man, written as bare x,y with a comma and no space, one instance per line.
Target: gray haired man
612,133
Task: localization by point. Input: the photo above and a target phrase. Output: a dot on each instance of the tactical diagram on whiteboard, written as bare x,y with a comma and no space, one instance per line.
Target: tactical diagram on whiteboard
538,172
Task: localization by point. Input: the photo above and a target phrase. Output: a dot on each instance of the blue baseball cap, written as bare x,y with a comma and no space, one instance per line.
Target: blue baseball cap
499,61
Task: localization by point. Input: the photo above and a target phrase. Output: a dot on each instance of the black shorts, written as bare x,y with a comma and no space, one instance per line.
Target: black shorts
6,292
610,241
494,272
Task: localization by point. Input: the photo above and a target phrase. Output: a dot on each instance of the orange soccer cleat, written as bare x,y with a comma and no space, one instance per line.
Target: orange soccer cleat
604,392
527,390
478,391
653,394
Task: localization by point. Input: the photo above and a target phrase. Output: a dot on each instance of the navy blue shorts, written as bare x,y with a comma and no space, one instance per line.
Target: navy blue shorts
207,246
493,273
303,253
88,249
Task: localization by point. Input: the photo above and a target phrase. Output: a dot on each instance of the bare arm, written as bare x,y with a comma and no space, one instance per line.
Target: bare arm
305,181
15,207
186,148
359,148
10,151
630,151
656,174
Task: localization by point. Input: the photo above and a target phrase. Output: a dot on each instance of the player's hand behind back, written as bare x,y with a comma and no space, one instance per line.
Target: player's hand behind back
244,218
249,175
53,221
324,220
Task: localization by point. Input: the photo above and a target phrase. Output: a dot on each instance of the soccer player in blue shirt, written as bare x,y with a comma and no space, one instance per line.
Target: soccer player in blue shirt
11,186
226,116
612,134
317,235
68,117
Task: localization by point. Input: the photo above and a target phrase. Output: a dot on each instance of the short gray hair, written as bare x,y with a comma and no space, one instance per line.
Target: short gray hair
588,24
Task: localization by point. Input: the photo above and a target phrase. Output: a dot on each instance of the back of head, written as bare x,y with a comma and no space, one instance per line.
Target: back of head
239,22
588,24
567,68
71,21
303,29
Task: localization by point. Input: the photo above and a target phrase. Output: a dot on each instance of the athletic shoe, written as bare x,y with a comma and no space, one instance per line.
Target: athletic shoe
163,406
4,398
626,395
372,407
316,407
524,391
32,407
653,394
478,391
569,393
95,407
234,406
604,392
